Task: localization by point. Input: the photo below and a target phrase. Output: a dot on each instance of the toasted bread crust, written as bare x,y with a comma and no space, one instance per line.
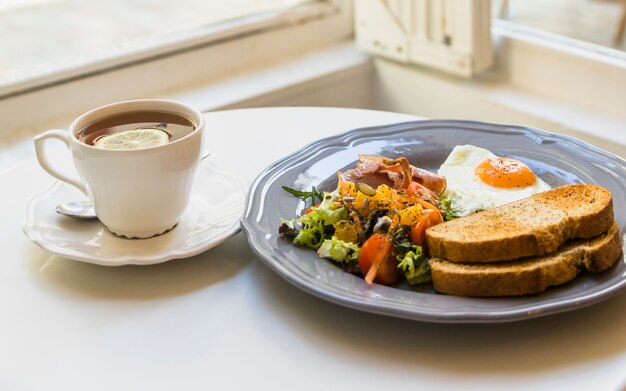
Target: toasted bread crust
527,275
534,226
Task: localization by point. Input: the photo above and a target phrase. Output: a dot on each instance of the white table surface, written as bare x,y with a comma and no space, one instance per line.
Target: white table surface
222,320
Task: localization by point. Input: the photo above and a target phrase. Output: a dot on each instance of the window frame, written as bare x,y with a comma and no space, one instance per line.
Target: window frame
175,69
542,63
175,44
573,71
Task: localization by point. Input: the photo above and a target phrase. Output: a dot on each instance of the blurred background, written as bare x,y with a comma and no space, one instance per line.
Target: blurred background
559,65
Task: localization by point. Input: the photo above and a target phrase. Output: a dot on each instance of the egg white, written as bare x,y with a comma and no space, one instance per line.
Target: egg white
468,192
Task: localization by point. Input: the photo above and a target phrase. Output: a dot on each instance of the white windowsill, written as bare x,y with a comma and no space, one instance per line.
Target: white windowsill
568,45
269,84
338,75
570,71
54,105
153,49
427,93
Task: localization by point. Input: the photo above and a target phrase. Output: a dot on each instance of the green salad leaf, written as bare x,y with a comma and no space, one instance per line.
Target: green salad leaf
451,212
310,236
411,258
415,266
339,251
316,222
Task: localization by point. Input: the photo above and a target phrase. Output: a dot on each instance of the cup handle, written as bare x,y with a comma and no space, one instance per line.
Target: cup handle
42,157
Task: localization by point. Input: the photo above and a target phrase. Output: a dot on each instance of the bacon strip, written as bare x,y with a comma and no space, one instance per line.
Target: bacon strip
369,165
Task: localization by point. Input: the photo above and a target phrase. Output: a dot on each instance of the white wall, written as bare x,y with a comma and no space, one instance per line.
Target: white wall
419,91
386,85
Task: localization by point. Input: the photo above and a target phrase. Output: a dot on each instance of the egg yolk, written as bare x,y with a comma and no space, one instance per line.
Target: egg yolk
505,173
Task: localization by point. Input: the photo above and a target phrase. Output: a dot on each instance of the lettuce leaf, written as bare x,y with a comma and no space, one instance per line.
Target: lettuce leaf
415,266
451,212
339,251
314,223
325,212
310,236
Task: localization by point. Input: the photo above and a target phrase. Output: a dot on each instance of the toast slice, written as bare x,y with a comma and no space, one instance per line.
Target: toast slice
528,275
536,225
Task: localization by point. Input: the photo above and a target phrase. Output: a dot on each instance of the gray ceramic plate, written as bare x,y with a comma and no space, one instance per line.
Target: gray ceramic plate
556,159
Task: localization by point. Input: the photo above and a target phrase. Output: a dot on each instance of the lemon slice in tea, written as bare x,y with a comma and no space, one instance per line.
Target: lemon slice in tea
133,139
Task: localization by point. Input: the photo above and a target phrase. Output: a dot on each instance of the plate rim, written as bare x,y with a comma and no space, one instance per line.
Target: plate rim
497,316
141,260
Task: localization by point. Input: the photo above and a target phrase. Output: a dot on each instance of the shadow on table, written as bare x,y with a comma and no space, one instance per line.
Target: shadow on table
172,278
535,345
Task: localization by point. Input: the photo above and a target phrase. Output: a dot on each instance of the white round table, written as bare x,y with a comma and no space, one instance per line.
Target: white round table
222,320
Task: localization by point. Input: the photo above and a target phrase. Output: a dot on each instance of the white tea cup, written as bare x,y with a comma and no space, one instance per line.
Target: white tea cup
136,193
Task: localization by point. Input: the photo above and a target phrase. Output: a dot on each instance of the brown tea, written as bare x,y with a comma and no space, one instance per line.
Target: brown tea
174,125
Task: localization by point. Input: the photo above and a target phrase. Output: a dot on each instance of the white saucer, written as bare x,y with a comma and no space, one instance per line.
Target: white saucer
212,216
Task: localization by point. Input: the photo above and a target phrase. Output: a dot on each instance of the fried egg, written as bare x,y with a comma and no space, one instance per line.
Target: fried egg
479,180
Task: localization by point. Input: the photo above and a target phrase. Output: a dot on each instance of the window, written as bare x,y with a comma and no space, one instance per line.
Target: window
556,61
454,36
193,62
600,22
43,41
